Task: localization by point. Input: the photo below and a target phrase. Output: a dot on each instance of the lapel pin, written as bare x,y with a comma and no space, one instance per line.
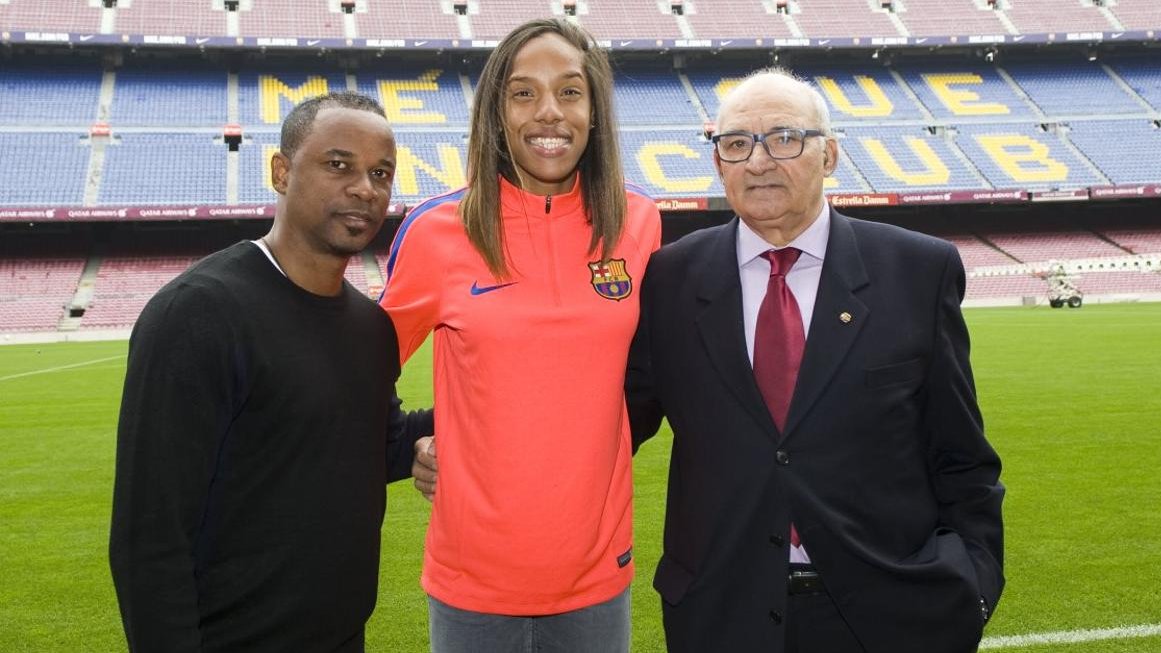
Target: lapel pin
845,317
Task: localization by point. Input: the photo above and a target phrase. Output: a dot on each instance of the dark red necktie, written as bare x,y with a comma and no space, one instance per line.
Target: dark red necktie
778,342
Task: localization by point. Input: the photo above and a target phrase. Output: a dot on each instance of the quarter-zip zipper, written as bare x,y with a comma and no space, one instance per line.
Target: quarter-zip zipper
552,272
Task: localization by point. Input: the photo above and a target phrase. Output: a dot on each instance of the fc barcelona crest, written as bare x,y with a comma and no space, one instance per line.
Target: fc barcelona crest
611,279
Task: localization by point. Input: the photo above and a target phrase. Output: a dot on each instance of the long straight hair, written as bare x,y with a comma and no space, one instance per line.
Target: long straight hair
489,154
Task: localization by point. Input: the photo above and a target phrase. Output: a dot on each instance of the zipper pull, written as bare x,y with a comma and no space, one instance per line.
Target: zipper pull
547,204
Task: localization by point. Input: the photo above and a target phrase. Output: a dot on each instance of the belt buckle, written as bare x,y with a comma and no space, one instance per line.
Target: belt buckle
805,582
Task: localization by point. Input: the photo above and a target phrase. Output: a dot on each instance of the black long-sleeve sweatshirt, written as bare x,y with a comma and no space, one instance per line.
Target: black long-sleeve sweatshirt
259,426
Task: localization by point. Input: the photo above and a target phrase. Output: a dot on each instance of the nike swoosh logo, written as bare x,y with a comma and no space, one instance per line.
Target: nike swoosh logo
479,290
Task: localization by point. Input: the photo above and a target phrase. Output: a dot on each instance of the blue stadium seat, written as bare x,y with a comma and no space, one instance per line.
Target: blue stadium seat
712,85
254,168
169,94
1125,150
1023,156
416,96
862,93
428,163
1072,88
965,93
670,162
907,159
49,91
266,95
1142,75
156,169
42,169
652,97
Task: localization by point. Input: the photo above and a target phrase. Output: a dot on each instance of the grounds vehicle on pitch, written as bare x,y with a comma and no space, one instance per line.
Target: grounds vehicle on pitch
1061,288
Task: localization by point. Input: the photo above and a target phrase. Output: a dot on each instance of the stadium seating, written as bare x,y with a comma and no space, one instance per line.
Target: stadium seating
429,163
1124,150
49,91
254,168
151,169
266,95
627,19
624,19
412,19
50,15
429,96
712,83
1135,241
736,19
1037,247
1023,156
908,159
497,17
1039,16
965,93
941,17
34,291
861,93
670,162
837,18
976,253
1142,75
1001,130
1107,283
652,97
175,17
169,93
305,18
1005,286
42,168
1138,14
1072,88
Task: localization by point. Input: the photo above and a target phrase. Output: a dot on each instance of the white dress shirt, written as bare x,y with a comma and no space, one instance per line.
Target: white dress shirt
754,272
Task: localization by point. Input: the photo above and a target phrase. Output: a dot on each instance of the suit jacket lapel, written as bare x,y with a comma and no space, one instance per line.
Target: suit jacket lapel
830,337
720,323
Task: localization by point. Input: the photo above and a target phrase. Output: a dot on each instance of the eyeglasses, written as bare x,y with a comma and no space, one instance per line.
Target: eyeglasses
785,143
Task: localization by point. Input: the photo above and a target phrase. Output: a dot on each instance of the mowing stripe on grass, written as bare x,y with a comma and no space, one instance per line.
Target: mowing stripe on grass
58,369
1071,636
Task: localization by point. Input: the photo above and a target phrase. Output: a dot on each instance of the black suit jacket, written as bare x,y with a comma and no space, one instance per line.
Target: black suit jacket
883,466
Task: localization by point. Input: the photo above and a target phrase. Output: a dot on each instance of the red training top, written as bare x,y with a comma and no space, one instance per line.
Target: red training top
533,508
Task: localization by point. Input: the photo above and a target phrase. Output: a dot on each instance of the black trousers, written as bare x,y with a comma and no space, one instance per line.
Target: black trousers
814,625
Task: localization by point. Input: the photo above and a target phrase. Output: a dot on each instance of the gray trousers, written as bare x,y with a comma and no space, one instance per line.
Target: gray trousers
601,628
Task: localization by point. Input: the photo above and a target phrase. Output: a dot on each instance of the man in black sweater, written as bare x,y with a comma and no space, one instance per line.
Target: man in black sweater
260,424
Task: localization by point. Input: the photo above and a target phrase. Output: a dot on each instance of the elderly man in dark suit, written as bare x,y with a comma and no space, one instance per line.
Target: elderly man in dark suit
830,489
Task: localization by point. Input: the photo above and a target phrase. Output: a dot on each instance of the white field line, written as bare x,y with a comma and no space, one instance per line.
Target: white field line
58,369
1070,636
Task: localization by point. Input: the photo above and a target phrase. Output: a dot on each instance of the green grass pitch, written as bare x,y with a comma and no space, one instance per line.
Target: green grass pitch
1071,399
